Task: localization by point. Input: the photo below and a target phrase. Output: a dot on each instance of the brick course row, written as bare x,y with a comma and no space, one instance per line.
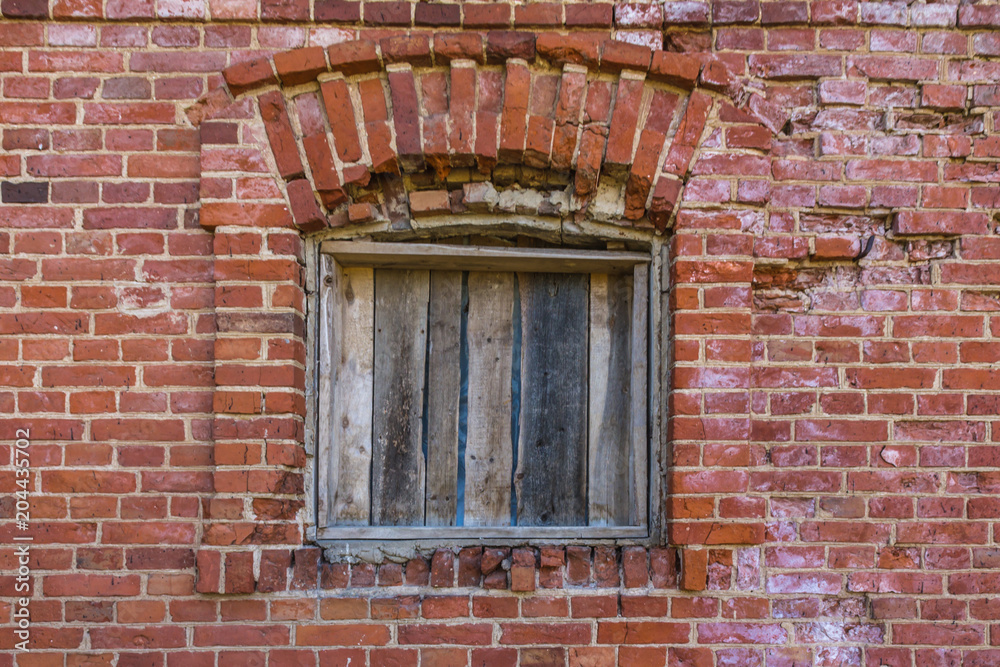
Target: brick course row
537,15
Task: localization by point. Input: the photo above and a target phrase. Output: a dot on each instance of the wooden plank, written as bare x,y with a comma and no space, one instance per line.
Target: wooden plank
325,422
551,478
348,421
610,464
489,449
480,258
443,392
640,446
400,352
439,534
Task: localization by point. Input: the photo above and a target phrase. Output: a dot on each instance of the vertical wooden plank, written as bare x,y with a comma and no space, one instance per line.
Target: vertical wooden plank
610,432
400,353
551,478
324,426
640,457
610,462
347,422
443,392
489,449
661,372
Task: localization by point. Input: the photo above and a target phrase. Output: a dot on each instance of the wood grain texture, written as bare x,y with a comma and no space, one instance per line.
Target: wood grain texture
639,415
443,393
400,349
551,477
516,535
351,355
489,449
324,409
480,258
610,423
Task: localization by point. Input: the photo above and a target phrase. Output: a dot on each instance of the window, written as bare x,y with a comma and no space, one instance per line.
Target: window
481,392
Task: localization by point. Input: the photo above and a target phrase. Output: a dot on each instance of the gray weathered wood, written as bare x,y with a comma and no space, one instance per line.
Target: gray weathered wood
443,391
477,533
551,478
325,422
610,431
640,445
400,349
488,451
480,258
346,423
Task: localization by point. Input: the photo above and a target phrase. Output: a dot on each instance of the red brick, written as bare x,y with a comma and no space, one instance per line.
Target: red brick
249,74
62,9
674,68
91,585
346,635
642,632
280,134
458,46
337,10
25,9
623,122
578,48
688,134
891,67
588,164
287,10
356,57
784,67
434,633
377,128
429,202
538,14
617,56
340,113
513,122
402,88
412,49
578,565
597,15
545,633
940,634
476,15
387,13
437,15
442,569
940,222
694,572
836,247
940,96
300,65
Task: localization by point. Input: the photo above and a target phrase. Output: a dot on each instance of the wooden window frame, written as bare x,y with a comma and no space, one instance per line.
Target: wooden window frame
415,255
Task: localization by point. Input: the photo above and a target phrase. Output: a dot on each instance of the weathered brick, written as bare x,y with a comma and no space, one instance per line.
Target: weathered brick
833,396
300,65
513,122
356,57
940,222
280,134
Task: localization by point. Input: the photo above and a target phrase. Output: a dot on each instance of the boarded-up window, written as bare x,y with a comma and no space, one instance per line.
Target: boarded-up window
470,391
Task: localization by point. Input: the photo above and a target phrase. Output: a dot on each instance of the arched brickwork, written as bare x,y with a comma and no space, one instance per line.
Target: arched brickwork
573,128
577,127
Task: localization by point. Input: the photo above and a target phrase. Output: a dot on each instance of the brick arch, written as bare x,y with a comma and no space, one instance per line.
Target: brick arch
273,164
579,127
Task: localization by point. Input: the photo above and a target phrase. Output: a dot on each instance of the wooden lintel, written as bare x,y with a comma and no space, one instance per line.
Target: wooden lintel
480,258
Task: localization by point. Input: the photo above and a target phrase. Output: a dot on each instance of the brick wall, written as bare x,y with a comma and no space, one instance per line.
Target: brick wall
827,192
